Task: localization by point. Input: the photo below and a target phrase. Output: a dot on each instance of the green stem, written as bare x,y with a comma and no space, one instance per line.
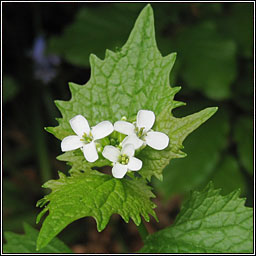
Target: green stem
41,150
143,231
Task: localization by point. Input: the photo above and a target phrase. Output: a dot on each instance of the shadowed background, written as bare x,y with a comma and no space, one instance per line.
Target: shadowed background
47,45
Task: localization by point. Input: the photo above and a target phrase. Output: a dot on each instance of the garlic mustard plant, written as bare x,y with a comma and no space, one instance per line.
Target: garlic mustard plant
86,136
134,82
123,160
140,133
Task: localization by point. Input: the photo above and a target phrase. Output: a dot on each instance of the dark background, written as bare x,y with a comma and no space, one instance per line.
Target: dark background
214,66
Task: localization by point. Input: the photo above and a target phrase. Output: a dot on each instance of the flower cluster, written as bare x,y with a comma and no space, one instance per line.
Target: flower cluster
124,140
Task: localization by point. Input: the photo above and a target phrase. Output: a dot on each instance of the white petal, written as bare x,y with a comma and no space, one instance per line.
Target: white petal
157,140
119,170
128,149
124,127
134,140
134,164
70,143
80,125
111,153
90,152
102,130
146,119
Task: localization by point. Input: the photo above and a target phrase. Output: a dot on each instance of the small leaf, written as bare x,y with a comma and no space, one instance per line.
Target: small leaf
207,223
93,194
26,243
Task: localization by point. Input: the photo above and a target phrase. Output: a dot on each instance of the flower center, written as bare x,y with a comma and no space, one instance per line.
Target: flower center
123,159
140,132
87,138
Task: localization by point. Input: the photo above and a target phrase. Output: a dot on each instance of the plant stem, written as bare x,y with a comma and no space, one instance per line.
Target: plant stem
143,231
41,151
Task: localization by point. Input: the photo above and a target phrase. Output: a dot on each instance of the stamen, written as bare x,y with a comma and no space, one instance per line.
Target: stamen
123,159
140,132
87,138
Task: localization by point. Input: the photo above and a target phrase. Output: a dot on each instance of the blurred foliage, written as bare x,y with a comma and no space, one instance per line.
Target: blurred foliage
243,127
207,60
10,89
228,168
238,25
87,34
214,66
27,243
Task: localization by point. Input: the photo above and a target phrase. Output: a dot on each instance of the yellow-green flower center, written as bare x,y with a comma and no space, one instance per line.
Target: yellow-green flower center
140,132
123,159
87,138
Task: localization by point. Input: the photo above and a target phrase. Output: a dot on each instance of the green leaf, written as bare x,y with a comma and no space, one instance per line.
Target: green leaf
134,78
207,223
203,150
26,243
208,60
243,135
93,194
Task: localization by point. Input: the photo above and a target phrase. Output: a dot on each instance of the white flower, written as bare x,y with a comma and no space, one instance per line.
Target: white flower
140,133
86,136
123,160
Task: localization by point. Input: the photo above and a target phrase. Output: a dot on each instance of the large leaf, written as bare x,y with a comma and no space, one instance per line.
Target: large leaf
93,194
26,243
207,223
134,78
